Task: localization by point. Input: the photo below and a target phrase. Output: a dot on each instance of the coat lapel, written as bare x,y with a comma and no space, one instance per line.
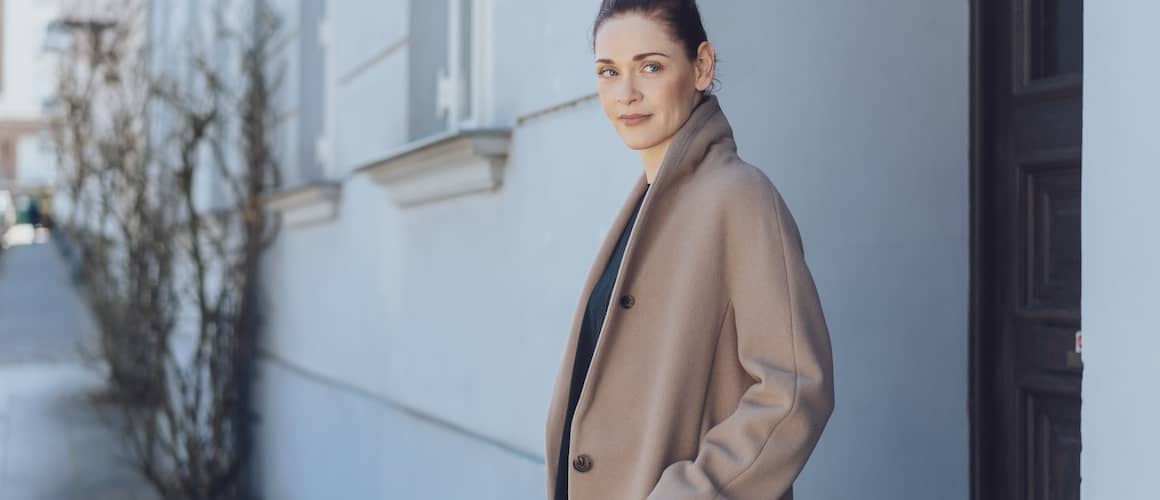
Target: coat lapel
705,127
563,381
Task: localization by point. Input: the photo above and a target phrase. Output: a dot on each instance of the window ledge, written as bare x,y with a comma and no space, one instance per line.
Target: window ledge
444,166
311,203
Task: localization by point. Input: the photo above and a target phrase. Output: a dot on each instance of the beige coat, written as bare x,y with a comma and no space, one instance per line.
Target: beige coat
712,379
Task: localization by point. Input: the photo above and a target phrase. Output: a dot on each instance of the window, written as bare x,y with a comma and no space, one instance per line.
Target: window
464,85
298,64
455,148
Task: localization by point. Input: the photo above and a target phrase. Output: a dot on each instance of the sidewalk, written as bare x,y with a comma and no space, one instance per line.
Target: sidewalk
54,445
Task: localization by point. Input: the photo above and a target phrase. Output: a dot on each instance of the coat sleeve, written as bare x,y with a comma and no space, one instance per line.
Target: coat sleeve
782,342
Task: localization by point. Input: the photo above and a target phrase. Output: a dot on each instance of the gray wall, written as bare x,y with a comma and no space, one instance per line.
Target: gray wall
858,111
1121,251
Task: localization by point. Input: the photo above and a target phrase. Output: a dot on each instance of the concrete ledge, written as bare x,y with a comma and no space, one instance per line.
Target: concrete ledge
307,204
445,166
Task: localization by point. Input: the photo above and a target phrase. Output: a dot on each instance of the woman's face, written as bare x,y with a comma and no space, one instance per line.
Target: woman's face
647,84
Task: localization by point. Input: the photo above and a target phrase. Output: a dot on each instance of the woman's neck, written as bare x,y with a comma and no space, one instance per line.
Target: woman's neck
652,158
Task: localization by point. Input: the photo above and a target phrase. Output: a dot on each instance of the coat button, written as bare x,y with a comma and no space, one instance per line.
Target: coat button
582,463
627,301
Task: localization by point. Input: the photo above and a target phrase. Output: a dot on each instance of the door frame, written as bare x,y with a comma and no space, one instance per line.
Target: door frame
980,412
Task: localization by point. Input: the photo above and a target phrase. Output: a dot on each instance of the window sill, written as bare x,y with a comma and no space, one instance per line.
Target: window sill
310,203
442,167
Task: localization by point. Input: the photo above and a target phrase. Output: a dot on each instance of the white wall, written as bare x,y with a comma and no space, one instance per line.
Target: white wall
370,79
28,79
406,343
543,55
334,444
443,320
28,73
1121,251
859,113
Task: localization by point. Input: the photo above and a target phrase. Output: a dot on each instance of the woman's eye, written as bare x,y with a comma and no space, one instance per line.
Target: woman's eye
652,65
605,73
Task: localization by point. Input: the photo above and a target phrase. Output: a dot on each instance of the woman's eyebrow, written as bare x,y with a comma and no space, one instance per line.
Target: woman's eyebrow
635,58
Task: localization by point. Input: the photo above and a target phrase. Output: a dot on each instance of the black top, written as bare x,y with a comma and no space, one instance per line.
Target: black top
594,315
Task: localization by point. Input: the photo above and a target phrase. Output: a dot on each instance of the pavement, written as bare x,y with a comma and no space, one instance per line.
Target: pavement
56,443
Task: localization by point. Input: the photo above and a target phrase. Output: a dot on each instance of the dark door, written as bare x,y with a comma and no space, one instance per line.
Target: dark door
1026,276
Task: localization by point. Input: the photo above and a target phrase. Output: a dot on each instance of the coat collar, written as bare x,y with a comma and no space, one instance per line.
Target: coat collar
705,129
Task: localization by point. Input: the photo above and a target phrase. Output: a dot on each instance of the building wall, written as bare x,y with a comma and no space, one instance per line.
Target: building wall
859,113
1121,251
28,80
410,352
543,56
370,61
28,71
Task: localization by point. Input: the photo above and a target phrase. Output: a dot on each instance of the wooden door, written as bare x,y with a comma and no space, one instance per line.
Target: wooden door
1026,277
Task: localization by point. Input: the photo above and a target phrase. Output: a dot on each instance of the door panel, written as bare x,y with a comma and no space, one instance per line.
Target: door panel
1031,89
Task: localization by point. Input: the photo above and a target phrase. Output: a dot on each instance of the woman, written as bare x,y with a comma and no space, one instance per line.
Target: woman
699,365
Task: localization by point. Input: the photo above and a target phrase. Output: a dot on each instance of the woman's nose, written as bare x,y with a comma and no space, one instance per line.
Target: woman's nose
626,91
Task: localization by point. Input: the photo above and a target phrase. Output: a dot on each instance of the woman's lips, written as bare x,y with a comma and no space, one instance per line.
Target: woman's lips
631,120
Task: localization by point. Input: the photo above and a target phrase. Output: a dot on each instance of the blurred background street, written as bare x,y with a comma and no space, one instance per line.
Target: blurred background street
55,443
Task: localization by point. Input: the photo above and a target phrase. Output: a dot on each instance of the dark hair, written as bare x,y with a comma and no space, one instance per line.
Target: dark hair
682,17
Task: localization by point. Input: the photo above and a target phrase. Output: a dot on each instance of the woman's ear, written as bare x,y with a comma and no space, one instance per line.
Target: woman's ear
704,66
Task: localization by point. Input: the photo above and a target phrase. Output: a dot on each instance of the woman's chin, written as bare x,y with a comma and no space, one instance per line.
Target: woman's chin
637,143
